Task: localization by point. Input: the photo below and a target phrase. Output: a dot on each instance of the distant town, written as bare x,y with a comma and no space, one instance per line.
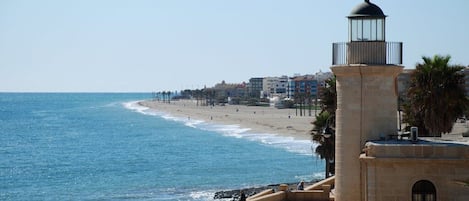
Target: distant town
279,91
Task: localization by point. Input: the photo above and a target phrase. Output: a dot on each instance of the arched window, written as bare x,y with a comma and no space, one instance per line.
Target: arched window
423,190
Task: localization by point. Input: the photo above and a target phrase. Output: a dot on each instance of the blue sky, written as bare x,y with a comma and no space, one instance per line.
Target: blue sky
153,45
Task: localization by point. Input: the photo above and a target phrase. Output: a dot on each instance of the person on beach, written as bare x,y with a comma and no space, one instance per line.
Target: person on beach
301,186
242,196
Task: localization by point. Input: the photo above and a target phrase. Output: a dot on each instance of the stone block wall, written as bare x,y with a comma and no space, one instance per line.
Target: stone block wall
389,171
366,110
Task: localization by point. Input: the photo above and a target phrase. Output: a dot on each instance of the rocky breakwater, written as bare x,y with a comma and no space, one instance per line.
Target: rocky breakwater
234,194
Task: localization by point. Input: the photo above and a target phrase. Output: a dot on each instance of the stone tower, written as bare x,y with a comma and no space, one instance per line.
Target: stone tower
366,68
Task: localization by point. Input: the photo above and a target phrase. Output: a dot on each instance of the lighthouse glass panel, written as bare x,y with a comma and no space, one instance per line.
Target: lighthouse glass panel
370,29
353,30
380,29
367,30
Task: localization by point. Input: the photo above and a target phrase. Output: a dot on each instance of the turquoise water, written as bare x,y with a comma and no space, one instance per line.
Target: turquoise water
59,146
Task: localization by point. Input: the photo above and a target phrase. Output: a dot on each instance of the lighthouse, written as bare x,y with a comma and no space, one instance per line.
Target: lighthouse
366,68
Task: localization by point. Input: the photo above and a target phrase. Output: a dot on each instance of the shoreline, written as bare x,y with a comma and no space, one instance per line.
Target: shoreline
254,119
258,119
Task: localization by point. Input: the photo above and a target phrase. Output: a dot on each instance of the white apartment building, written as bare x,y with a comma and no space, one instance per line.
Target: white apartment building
275,86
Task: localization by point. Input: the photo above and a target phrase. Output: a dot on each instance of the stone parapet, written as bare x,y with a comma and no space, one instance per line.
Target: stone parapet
421,149
391,169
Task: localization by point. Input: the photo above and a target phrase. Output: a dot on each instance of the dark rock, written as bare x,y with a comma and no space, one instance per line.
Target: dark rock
254,190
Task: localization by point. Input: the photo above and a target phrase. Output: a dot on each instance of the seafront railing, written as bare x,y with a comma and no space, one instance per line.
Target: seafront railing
367,52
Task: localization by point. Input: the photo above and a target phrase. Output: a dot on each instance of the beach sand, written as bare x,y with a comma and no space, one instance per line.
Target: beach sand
270,120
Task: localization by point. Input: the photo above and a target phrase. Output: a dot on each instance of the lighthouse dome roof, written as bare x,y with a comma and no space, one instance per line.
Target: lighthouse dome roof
367,9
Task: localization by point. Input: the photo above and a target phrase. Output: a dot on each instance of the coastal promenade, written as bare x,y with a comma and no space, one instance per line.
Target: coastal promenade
259,119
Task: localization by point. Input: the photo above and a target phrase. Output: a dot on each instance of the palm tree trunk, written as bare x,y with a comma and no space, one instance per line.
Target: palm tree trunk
328,167
301,108
169,95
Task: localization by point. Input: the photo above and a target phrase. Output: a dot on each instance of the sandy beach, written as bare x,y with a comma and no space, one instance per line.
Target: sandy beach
259,119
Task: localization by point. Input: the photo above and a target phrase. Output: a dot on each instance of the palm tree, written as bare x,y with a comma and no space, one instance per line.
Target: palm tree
198,95
322,132
169,96
436,96
329,96
296,98
324,135
299,98
162,94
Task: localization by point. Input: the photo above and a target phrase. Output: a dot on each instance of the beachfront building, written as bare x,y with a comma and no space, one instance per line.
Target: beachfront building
403,82
255,87
323,76
226,91
291,88
275,87
305,85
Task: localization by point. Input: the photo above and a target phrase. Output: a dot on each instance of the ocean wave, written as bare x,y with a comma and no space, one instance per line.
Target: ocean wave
288,143
133,105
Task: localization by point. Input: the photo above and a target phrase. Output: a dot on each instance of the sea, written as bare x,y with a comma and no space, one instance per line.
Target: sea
104,146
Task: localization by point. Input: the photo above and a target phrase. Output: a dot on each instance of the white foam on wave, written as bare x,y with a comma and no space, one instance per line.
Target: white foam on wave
133,105
291,144
309,177
279,141
205,196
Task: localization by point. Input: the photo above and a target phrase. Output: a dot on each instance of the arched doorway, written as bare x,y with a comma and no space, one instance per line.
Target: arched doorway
423,190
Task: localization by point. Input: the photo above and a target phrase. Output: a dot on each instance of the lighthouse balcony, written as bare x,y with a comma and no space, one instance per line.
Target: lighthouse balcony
367,52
